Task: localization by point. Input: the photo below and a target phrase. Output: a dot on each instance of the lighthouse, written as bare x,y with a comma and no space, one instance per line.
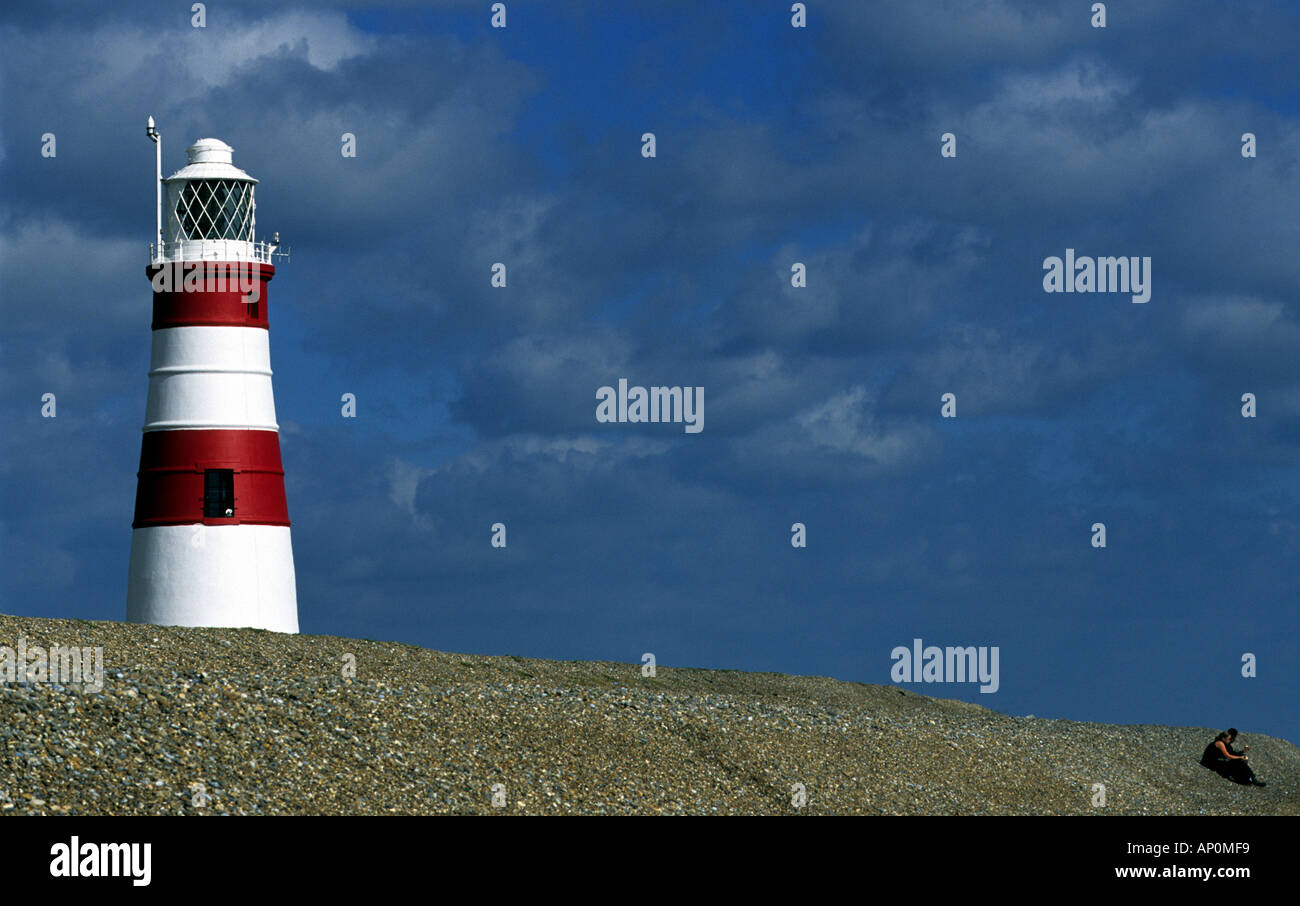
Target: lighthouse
210,539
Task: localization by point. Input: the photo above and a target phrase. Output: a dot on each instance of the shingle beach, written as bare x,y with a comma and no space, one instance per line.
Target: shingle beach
225,721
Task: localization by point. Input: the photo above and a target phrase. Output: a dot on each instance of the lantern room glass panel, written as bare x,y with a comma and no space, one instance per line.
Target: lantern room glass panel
215,209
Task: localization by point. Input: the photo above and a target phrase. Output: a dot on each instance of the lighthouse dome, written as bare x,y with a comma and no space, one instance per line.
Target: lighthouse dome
210,158
209,150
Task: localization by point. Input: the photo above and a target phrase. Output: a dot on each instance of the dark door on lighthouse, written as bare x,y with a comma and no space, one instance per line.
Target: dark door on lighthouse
218,493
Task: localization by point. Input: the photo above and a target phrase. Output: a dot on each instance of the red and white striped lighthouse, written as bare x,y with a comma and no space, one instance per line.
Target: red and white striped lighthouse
210,540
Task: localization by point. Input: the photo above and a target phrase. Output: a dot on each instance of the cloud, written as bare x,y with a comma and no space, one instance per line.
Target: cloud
991,373
845,424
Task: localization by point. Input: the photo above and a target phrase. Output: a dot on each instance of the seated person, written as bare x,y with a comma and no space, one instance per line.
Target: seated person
1221,757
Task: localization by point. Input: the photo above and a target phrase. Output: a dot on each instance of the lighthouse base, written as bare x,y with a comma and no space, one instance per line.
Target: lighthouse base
212,575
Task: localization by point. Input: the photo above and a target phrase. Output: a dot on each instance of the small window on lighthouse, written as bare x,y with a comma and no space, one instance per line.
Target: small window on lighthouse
218,493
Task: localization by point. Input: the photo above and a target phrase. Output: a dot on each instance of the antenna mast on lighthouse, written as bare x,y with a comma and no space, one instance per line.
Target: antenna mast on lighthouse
210,542
156,137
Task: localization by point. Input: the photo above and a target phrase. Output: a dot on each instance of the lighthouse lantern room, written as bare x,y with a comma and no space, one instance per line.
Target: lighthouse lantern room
210,540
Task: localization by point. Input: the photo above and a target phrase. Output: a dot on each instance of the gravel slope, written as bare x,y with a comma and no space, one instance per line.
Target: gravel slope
268,725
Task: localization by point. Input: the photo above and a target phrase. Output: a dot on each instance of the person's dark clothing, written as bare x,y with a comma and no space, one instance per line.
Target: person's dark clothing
1233,769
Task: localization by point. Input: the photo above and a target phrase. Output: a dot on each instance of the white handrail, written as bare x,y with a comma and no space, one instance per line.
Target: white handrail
215,250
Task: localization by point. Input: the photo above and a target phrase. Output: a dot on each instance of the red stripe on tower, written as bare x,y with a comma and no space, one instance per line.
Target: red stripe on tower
229,294
173,470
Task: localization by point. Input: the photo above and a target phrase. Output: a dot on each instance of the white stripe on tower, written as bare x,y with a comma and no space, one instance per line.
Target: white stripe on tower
210,377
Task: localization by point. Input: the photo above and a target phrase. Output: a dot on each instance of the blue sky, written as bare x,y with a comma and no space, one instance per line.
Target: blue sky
775,145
